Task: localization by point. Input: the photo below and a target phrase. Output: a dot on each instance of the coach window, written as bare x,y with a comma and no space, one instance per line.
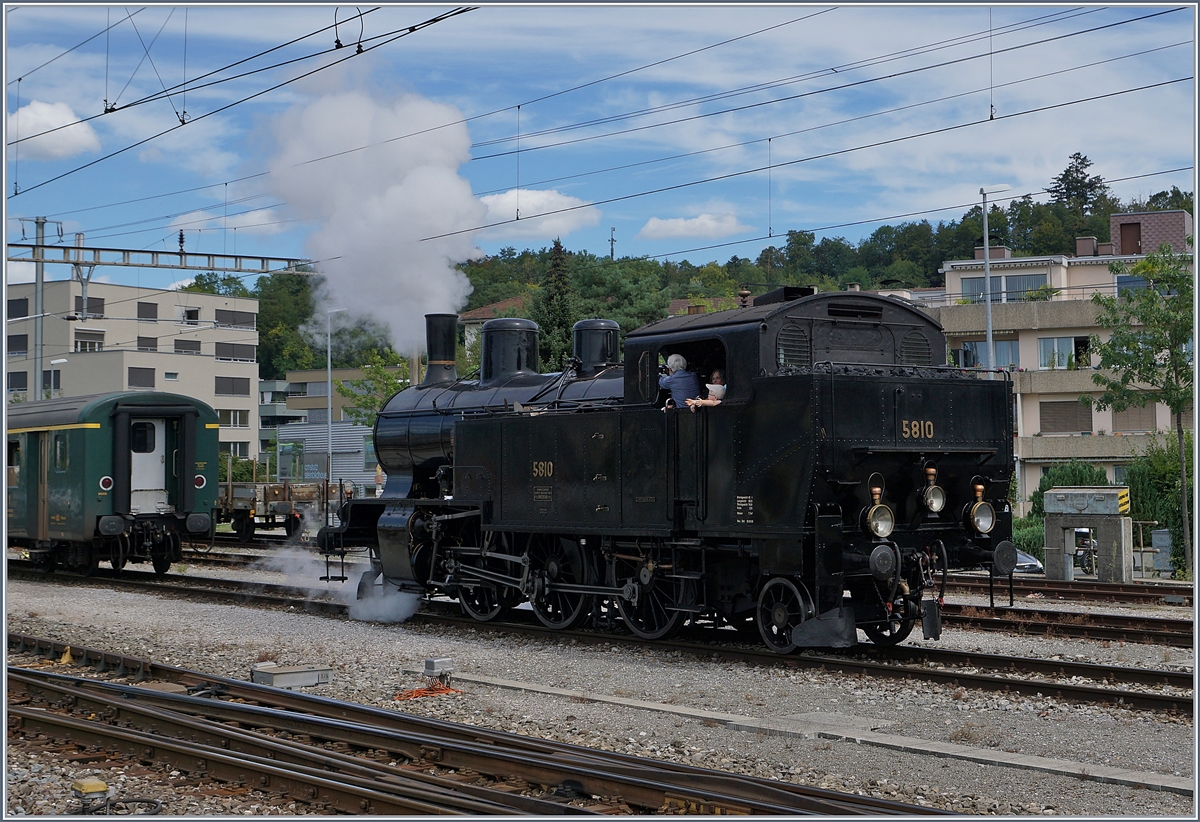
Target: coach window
62,454
14,463
143,437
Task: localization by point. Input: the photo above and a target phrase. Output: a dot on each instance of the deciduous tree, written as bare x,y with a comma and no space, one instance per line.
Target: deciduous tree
1149,358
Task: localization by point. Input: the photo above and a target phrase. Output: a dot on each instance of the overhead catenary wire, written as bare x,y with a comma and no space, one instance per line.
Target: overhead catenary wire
167,91
789,98
405,33
906,52
876,144
869,115
104,31
145,56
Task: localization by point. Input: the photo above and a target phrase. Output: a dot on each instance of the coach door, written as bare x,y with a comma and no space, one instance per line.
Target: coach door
148,466
42,528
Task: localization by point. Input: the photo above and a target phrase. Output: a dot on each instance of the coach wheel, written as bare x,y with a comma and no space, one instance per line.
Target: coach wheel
161,560
91,562
558,561
120,553
243,526
291,524
663,604
781,609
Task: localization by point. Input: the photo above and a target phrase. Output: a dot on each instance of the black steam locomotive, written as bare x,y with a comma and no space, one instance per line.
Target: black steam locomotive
844,469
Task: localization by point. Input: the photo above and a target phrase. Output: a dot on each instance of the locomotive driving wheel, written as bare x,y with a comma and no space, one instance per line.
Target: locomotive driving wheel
781,608
482,599
558,561
663,603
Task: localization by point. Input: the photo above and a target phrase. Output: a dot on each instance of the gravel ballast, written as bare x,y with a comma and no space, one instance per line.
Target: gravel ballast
369,660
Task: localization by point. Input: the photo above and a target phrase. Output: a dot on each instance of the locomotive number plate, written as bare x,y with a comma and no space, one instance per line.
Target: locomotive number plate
543,469
916,429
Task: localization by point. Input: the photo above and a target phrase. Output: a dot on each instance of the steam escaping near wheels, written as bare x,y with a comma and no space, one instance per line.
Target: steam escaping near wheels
385,606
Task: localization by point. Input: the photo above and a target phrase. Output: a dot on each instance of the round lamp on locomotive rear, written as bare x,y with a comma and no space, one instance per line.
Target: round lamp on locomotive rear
200,481
982,517
934,498
880,520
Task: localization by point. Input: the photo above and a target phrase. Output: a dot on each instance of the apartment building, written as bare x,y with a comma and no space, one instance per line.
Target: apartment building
1042,320
132,338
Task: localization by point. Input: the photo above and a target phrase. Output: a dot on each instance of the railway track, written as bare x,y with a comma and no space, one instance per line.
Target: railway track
1178,633
1155,593
357,759
1082,682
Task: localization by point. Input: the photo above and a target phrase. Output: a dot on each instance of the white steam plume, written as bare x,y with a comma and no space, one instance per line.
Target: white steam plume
304,569
372,208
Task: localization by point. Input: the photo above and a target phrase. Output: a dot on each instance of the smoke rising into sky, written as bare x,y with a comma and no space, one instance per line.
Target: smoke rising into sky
370,209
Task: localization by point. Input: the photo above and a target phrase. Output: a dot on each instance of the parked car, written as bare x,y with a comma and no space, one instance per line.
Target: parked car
1028,564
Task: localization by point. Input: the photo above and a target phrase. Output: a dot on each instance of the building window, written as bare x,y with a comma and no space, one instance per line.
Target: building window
1120,471
147,343
52,380
318,415
95,306
141,377
18,307
974,354
232,387
18,344
18,381
1059,353
147,311
1068,417
89,341
187,346
1019,286
237,352
189,316
314,389
1135,419
171,376
233,418
235,319
62,453
238,449
1128,283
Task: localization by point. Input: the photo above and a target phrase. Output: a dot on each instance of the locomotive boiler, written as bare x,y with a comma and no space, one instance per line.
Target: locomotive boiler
845,469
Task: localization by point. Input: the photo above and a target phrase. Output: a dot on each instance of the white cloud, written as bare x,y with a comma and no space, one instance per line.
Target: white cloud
533,202
261,221
38,117
19,273
706,226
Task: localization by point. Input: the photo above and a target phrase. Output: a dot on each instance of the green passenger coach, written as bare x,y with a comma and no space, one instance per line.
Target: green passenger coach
117,477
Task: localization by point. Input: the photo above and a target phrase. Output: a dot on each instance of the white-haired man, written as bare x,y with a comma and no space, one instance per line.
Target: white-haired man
682,383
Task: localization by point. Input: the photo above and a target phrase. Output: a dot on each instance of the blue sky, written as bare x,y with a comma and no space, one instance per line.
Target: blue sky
693,103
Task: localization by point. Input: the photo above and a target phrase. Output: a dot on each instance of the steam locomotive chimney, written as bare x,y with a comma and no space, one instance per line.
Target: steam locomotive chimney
440,332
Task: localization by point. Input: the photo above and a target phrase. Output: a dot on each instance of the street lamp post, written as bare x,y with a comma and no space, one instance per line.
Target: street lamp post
987,274
329,403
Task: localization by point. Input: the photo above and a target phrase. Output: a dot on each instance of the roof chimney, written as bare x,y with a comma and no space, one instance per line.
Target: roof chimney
853,287
1085,247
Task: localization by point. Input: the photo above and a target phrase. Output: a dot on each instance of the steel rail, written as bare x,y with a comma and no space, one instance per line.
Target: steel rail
136,709
1090,694
1177,633
461,746
1149,592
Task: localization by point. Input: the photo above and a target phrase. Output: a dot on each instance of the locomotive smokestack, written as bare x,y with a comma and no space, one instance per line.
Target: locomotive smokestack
440,333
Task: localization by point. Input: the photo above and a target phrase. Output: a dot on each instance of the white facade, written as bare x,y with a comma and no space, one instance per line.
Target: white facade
198,345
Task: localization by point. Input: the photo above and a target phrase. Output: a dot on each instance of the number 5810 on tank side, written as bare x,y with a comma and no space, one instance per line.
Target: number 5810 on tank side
844,471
